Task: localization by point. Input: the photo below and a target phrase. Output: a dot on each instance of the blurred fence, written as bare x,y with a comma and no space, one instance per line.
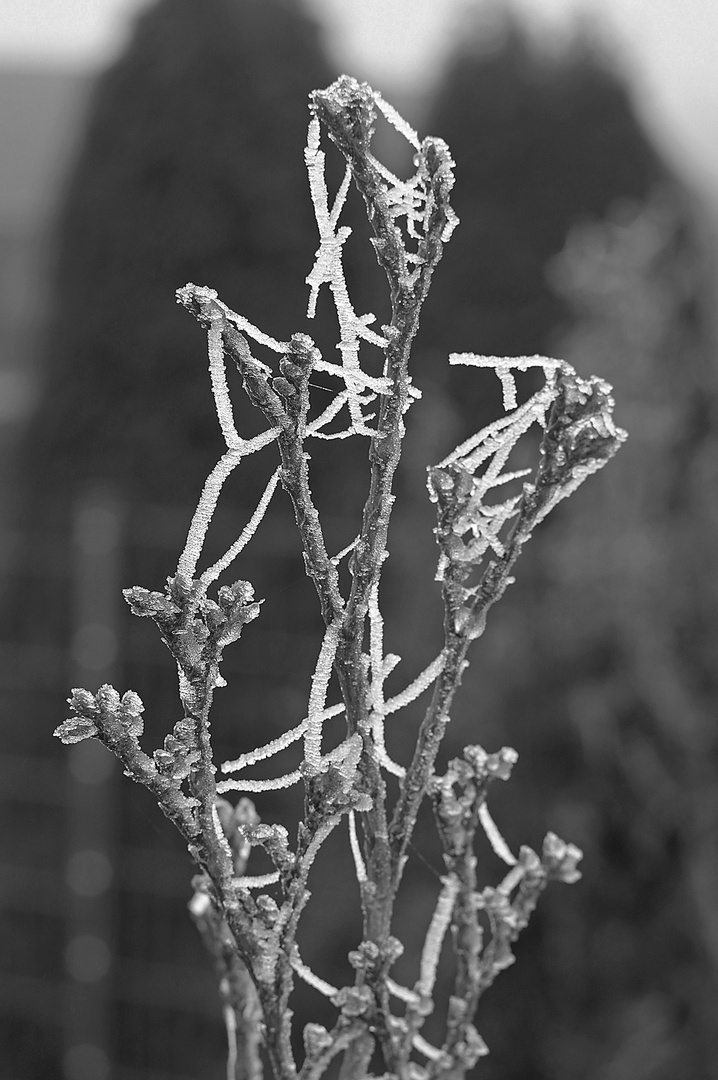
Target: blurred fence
102,973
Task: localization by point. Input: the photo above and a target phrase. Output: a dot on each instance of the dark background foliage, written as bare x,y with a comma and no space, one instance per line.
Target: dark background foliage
597,665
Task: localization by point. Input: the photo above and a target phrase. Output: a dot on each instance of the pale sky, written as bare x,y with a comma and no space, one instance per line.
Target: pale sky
670,47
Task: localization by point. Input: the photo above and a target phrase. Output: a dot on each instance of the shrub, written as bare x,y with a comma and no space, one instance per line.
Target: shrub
249,920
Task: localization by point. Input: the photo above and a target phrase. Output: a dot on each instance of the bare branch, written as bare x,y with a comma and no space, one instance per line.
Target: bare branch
249,920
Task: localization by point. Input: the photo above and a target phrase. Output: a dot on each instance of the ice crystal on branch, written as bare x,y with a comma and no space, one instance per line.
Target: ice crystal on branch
247,913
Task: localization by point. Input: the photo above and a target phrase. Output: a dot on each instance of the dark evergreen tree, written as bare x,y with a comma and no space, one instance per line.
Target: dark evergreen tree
544,138
191,169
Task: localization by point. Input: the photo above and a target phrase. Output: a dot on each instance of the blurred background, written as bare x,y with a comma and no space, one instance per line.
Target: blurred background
147,144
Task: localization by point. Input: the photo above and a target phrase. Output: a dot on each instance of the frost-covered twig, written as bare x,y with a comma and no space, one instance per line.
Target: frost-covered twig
217,568
317,697
579,437
435,936
250,920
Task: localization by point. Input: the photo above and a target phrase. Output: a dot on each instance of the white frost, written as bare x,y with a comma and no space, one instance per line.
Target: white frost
218,376
359,866
501,848
276,745
318,695
219,833
260,881
276,783
207,504
435,935
310,978
213,572
421,683
328,269
397,121
433,1053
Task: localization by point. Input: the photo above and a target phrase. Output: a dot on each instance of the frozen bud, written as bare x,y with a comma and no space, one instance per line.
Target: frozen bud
463,482
257,834
561,859
440,482
182,730
183,763
394,949
83,702
163,760
214,616
290,371
451,811
179,589
108,699
347,108
498,765
529,861
154,605
354,1000
365,956
75,729
177,758
268,907
241,592
180,584
301,355
357,959
476,756
457,551
282,387
581,431
316,1040
130,712
236,604
132,703
501,764
302,349
472,1048
193,296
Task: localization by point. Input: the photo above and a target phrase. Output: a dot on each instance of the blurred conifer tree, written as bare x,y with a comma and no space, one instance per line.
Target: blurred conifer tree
610,983
544,136
191,169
